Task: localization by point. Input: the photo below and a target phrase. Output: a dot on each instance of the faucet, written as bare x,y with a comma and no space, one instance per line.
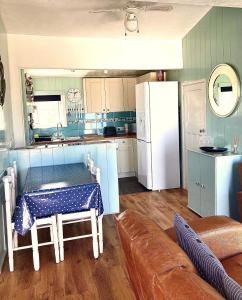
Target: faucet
59,134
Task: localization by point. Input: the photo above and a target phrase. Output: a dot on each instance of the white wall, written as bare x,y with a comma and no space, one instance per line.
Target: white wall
27,51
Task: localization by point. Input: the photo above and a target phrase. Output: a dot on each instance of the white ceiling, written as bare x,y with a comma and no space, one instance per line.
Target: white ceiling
72,18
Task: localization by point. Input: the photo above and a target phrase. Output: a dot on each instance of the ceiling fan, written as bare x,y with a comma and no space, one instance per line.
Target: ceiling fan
131,10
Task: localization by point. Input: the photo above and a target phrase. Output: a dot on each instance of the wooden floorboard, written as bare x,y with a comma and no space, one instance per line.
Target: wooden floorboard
80,276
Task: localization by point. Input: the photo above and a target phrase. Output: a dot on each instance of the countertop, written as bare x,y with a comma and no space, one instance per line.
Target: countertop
87,139
227,153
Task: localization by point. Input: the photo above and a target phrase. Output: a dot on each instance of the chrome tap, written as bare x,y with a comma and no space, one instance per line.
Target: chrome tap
58,135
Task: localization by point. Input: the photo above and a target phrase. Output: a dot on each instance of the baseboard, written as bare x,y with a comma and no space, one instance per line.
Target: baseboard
126,174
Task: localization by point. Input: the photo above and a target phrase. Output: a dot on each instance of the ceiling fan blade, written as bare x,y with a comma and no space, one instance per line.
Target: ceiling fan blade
164,8
105,10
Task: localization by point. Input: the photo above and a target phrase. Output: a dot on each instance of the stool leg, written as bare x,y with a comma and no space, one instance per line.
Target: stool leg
34,238
10,249
51,233
94,232
60,236
15,237
55,239
100,233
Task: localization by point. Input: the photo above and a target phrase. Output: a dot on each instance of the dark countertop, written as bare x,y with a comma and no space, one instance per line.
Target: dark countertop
85,139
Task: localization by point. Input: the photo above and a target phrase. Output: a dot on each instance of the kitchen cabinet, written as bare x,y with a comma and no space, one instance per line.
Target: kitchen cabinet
94,94
109,94
125,157
213,181
129,94
114,94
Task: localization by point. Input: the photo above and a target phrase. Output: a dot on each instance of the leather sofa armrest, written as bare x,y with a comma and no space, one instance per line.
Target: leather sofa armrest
222,234
181,284
239,198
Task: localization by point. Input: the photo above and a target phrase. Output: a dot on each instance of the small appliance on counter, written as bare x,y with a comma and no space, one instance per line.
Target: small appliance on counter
109,131
131,127
42,138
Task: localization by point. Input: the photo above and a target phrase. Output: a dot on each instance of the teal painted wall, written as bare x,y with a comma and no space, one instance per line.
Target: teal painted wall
214,40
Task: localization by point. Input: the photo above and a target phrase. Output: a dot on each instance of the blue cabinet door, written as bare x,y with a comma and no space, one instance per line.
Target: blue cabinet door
207,184
194,197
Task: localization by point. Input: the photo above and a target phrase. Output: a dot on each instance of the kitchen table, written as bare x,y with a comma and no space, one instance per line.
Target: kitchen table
56,189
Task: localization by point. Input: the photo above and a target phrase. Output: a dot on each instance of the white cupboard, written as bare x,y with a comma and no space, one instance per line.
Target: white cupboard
114,94
129,94
109,94
125,155
94,91
213,181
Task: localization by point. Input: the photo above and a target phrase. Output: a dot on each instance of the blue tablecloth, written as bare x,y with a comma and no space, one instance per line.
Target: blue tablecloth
56,189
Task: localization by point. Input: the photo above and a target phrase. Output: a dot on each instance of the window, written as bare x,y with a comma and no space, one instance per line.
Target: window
49,110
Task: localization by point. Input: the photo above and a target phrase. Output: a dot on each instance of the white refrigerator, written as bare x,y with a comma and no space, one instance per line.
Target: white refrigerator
158,135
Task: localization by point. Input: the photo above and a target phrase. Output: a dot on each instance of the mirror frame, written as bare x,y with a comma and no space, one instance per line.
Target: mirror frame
234,78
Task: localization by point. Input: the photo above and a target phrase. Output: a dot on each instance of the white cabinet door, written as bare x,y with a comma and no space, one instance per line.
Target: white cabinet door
125,156
114,94
129,94
94,95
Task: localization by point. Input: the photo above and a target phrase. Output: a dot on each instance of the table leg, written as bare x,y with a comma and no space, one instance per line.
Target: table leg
94,232
100,231
60,236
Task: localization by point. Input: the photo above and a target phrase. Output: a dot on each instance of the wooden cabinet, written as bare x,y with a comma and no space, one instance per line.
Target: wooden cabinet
94,93
114,94
129,94
109,94
125,157
213,181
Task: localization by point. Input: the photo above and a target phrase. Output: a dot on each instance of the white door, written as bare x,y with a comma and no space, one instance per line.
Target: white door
144,164
193,119
143,112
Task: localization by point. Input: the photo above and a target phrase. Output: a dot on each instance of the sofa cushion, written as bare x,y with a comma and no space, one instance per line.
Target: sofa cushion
222,234
209,267
233,266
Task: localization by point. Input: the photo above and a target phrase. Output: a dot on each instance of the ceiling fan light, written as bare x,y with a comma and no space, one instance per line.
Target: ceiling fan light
131,22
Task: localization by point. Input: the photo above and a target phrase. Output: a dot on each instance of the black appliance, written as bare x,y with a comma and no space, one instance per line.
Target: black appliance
109,131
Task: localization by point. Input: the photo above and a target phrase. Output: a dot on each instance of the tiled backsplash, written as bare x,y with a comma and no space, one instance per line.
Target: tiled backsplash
88,123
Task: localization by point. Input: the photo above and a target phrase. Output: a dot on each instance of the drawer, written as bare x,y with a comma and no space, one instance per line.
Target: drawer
123,142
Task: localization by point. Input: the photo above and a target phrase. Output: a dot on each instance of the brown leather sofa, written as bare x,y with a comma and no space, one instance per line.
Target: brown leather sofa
159,269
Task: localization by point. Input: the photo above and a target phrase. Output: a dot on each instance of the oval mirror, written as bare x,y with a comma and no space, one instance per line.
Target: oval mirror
224,90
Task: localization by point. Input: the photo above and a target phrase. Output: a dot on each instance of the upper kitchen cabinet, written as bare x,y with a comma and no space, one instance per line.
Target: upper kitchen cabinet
94,93
109,94
114,94
129,93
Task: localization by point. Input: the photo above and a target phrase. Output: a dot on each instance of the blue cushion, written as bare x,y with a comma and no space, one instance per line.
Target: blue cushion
207,264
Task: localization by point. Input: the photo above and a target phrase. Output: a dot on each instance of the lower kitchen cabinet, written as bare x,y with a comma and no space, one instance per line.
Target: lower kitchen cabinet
213,181
125,157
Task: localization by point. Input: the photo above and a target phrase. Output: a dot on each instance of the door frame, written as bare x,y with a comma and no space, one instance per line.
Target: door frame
184,84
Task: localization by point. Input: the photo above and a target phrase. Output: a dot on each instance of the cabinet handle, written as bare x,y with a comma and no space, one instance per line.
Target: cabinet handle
202,186
108,109
104,109
197,183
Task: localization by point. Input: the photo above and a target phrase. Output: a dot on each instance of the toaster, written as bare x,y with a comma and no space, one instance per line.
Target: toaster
109,131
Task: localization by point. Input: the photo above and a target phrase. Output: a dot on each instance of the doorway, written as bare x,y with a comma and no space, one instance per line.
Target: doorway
193,120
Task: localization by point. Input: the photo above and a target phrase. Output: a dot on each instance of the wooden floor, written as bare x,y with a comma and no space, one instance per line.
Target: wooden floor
80,276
